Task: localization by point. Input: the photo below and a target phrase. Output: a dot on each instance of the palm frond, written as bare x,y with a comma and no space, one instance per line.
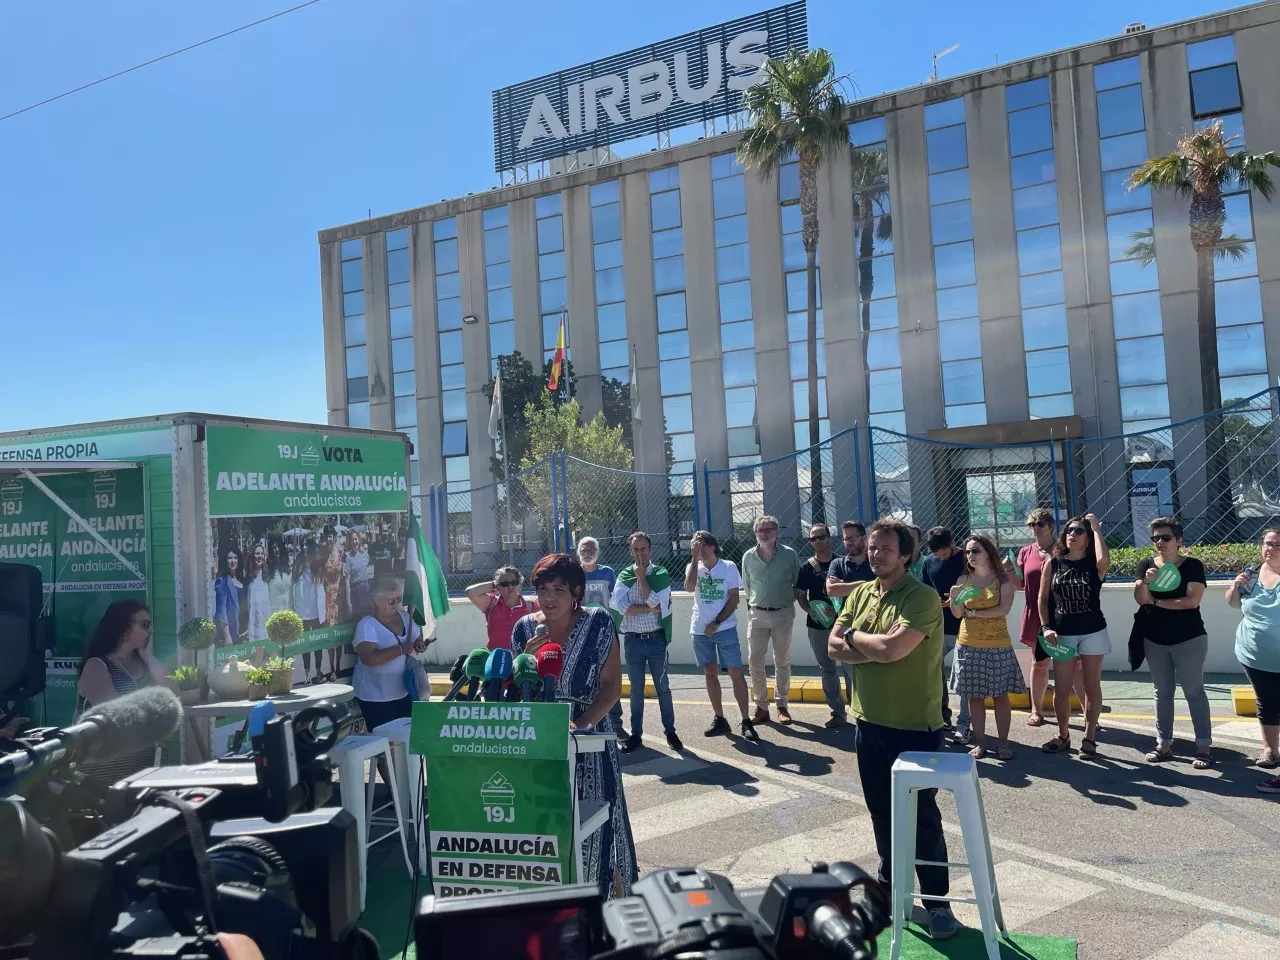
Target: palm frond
1250,169
1142,247
1171,171
884,227
1231,247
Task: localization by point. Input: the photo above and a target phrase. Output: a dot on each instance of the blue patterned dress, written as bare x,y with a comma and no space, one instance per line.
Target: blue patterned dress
599,774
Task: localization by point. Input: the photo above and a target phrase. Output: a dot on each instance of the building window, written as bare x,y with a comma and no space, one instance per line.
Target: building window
497,281
404,385
353,332
674,375
737,338
951,219
553,296
1135,292
1039,245
611,310
453,392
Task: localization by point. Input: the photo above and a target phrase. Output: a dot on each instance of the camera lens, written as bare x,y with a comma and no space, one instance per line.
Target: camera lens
253,862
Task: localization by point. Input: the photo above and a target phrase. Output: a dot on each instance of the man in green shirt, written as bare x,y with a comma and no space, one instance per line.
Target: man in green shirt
769,571
890,629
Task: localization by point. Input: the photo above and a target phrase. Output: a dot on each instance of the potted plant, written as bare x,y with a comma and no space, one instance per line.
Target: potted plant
260,680
189,682
281,669
197,634
283,628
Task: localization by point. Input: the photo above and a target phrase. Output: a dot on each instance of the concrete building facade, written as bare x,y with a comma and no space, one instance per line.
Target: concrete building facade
982,276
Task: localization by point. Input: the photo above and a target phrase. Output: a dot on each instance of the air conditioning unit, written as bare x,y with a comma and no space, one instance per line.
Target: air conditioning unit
1134,28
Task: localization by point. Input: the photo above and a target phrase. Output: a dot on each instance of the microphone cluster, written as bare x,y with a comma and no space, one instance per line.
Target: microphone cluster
496,676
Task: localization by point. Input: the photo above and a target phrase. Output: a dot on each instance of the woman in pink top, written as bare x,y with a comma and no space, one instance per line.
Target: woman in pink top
502,604
1031,560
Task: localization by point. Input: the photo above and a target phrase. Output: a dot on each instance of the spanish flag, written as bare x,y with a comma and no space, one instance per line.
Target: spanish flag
557,360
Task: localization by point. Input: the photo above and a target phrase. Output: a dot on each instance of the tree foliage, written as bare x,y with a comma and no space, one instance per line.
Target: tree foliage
522,386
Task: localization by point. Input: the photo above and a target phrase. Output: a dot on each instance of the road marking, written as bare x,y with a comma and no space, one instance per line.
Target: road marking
851,839
708,806
1027,893
662,768
811,785
1221,940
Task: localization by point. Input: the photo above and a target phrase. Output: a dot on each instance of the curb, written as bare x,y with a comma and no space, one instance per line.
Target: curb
1245,702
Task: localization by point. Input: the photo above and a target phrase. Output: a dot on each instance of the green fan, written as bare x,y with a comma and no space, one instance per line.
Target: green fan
823,612
1167,579
1013,562
1062,651
968,593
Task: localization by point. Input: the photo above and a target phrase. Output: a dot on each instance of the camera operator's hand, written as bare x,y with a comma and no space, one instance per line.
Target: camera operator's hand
13,728
239,947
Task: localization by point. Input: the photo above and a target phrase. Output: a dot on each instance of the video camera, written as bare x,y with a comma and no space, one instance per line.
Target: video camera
238,845
835,911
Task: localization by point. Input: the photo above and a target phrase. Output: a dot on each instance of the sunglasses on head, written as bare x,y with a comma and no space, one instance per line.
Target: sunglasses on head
1161,537
1076,531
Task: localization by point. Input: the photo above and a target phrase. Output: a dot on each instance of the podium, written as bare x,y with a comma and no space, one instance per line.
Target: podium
503,810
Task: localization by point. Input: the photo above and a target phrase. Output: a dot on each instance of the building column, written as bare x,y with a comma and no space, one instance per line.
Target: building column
377,321
584,339
522,236
335,374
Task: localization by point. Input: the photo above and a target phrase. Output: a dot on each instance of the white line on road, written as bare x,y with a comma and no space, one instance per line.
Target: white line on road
709,806
1221,940
1027,893
812,785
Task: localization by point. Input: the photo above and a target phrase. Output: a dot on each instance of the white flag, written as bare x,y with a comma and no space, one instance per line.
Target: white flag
635,386
495,408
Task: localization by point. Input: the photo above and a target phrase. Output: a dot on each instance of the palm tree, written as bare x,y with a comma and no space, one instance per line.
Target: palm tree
798,109
1199,168
869,178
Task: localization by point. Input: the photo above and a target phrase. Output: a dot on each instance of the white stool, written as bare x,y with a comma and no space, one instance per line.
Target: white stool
957,772
351,754
408,767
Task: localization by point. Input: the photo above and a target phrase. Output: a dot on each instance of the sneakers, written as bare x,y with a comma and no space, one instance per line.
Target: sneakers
719,728
835,722
784,715
1270,786
749,731
632,742
942,923
761,715
674,742
962,738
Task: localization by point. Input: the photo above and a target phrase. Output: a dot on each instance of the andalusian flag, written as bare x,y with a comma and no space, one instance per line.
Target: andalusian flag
426,593
557,360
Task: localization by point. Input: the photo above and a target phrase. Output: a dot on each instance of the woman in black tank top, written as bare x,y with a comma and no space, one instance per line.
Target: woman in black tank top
119,659
1071,610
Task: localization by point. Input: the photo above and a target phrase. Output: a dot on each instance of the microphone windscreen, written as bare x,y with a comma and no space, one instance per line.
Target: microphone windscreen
473,668
550,660
455,672
137,721
524,669
499,665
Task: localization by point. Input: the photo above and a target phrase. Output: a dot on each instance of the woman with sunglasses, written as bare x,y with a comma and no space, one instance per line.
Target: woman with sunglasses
1071,610
1031,561
1175,642
1257,594
502,604
985,664
119,658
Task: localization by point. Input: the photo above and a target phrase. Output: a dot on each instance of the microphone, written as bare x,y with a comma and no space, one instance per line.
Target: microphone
472,674
550,663
455,672
496,673
524,672
117,728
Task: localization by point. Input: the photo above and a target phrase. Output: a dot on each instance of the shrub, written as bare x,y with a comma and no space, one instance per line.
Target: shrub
1218,558
187,678
197,634
278,663
284,626
259,677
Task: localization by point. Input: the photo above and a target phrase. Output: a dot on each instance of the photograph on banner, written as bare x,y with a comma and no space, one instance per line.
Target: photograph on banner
301,521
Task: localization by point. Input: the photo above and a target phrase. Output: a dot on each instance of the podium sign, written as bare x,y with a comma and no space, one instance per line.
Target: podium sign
500,797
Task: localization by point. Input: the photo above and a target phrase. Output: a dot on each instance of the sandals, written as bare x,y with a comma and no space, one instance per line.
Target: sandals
1202,761
1088,749
1057,745
979,752
1035,720
1160,756
1264,764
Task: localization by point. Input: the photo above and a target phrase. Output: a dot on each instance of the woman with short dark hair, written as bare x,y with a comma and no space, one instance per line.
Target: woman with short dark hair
1175,642
591,679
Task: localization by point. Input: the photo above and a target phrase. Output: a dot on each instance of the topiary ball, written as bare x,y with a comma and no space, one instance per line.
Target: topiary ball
197,634
284,626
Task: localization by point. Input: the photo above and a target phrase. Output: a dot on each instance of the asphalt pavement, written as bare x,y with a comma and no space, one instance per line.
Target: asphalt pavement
1134,860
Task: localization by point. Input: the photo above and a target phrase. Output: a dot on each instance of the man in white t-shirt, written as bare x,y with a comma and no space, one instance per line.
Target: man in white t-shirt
715,585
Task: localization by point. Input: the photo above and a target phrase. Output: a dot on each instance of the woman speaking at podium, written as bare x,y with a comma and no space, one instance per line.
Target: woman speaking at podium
592,681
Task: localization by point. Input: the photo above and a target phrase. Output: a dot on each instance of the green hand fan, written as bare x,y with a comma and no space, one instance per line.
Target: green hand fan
1168,578
1063,651
822,612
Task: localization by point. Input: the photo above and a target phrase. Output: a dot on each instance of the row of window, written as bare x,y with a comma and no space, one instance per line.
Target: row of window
674,376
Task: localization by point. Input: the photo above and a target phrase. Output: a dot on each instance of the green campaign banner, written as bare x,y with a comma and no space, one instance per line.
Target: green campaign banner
500,795
259,472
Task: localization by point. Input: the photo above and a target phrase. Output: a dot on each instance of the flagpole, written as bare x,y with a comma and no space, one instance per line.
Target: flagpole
568,350
506,475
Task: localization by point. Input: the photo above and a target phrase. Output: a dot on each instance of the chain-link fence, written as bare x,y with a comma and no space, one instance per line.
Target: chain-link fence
1219,474
987,490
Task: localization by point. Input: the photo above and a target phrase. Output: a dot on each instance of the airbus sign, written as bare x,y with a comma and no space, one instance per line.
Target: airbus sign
687,79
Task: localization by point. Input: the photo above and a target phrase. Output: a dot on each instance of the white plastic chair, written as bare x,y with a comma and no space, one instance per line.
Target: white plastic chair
351,756
408,768
957,772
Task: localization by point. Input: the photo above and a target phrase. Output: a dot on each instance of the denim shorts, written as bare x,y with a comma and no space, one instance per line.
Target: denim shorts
724,647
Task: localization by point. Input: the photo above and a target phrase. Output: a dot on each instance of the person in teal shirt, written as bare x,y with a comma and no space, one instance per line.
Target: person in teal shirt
1256,593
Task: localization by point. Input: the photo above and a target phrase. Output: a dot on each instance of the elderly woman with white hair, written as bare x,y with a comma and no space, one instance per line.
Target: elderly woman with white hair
385,641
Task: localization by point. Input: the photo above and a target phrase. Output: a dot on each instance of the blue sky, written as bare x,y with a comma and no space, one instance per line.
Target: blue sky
158,250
